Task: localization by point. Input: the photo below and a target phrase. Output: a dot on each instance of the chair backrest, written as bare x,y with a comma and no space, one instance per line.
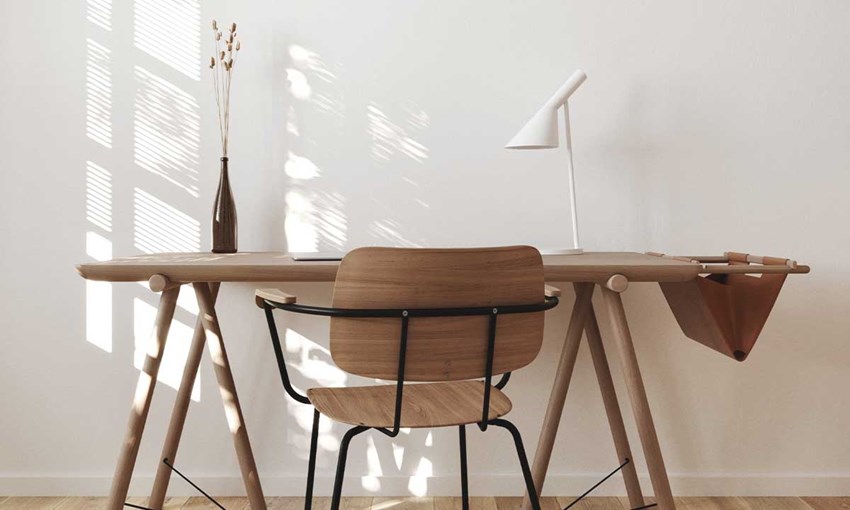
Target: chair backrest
438,348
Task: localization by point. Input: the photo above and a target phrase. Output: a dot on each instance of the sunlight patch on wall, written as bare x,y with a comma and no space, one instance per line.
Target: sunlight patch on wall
303,58
99,248
372,481
167,134
303,416
99,12
159,227
300,168
170,31
315,221
389,233
390,138
298,85
99,196
418,483
308,65
309,362
99,314
98,94
176,348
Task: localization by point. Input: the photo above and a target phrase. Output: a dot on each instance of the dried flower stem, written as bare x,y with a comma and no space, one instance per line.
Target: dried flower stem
222,69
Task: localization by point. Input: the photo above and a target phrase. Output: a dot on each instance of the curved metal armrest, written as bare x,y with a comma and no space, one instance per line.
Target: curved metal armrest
549,302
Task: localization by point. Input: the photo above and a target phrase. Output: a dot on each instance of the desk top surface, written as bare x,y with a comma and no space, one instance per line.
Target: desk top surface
280,267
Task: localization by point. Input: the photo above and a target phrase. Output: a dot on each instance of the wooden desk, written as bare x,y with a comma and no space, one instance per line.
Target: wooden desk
205,271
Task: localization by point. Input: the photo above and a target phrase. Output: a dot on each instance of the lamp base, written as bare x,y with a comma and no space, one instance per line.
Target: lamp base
566,251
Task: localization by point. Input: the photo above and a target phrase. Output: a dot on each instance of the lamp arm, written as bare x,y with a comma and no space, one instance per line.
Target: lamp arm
563,94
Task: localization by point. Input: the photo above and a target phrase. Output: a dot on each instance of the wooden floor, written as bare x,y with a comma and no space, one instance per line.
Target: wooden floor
479,503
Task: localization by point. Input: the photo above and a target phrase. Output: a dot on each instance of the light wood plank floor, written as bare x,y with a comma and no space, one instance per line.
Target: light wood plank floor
476,503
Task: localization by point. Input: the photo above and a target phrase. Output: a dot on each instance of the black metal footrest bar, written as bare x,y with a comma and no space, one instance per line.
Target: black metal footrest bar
190,482
600,482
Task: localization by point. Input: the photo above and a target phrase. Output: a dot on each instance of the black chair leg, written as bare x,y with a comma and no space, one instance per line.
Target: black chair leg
340,464
464,474
311,467
523,460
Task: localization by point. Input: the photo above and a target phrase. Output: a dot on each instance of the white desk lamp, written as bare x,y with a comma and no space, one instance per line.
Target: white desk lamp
541,132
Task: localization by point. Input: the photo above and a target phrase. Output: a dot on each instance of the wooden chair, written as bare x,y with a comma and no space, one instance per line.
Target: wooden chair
441,317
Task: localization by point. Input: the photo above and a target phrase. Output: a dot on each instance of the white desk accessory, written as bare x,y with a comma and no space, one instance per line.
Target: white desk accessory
541,132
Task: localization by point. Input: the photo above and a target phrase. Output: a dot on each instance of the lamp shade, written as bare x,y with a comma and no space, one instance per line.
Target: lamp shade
540,132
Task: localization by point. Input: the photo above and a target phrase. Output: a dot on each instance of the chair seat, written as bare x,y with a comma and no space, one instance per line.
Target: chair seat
424,405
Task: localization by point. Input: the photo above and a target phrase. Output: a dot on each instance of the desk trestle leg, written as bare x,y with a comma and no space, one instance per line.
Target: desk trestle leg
612,409
181,408
581,308
637,395
142,400
227,388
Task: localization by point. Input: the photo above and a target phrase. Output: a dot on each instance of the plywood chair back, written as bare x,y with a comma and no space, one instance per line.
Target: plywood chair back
438,348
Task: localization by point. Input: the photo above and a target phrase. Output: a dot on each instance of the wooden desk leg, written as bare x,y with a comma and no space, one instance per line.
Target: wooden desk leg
227,388
612,409
584,292
181,408
142,400
637,395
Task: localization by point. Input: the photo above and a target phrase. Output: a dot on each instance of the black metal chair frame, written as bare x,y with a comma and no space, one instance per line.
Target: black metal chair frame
405,315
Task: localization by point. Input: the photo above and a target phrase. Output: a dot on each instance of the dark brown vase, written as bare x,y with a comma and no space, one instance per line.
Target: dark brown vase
224,215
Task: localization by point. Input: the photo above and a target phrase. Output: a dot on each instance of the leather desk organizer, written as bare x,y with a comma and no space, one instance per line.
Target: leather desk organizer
726,307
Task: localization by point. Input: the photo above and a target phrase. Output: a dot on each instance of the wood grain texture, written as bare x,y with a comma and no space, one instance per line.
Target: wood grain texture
275,295
443,503
279,267
33,503
423,405
399,503
230,503
511,503
475,503
824,503
711,503
592,503
438,348
760,503
81,503
175,503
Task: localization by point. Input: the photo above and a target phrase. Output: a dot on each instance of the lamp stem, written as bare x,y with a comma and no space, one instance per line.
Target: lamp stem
569,145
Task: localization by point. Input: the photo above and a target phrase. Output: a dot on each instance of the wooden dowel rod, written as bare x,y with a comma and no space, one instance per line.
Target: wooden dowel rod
160,283
717,259
617,283
742,269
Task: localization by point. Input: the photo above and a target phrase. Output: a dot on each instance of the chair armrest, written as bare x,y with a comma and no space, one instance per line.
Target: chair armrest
275,295
550,291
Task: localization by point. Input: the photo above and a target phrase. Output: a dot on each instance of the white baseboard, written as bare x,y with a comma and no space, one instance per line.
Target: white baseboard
480,485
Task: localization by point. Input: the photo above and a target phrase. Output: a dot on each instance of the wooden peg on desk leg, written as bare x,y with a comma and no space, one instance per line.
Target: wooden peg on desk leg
160,283
618,283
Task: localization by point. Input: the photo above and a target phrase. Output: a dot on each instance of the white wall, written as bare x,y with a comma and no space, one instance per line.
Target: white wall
703,127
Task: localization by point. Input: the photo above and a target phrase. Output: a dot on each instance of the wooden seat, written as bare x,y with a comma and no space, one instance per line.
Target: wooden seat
440,319
423,405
